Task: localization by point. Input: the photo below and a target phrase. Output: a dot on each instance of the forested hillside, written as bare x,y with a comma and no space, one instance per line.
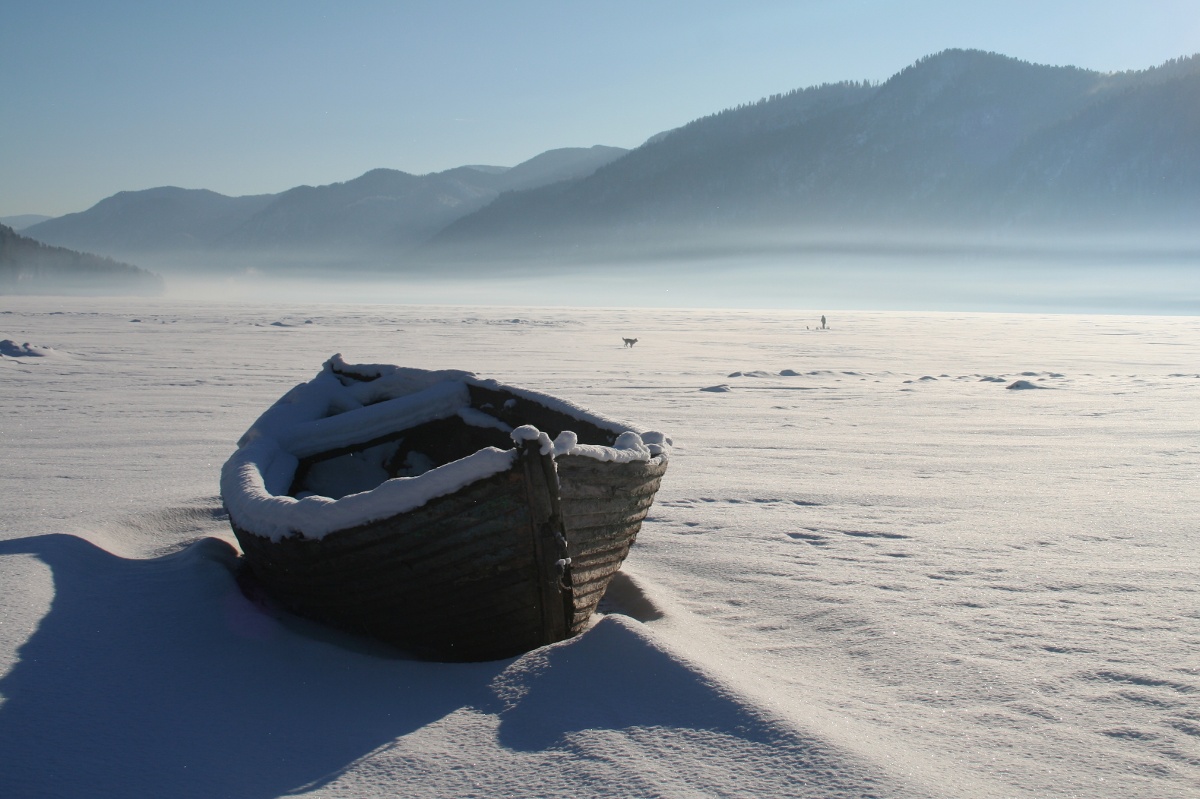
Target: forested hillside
30,267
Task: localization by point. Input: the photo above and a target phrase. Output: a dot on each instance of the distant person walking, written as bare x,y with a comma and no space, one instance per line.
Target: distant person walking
823,325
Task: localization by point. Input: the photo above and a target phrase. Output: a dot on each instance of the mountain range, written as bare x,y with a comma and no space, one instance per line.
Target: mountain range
382,211
963,141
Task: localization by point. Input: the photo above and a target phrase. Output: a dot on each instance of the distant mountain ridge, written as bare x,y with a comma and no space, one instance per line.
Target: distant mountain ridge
959,140
381,210
22,221
30,267
163,218
963,140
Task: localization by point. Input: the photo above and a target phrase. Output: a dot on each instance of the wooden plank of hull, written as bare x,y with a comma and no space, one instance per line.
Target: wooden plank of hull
603,507
471,576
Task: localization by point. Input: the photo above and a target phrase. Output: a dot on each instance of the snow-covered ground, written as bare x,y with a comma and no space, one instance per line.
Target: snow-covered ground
874,569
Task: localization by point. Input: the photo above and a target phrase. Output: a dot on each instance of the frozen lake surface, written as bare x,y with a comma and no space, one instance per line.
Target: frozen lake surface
947,555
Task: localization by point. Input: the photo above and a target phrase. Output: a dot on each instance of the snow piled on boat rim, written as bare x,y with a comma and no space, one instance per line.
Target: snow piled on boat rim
325,414
255,508
628,447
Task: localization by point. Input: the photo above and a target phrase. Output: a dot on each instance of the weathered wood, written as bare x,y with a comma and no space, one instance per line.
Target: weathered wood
435,580
552,573
603,511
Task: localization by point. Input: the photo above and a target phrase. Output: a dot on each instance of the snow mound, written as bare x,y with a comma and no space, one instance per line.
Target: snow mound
722,387
11,349
1020,385
618,657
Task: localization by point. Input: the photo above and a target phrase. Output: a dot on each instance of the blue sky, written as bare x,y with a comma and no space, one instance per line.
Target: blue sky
247,98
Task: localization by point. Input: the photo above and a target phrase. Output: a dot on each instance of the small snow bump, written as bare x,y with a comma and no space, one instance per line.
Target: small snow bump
12,349
528,432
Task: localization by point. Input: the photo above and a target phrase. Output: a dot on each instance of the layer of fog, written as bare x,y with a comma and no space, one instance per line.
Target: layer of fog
1028,270
884,281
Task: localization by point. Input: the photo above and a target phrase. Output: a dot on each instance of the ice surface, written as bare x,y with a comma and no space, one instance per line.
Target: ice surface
844,589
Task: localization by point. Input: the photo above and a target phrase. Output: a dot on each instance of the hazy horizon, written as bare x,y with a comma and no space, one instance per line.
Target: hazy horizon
1075,282
833,270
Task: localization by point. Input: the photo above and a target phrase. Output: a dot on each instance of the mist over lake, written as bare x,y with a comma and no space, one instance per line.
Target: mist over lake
923,276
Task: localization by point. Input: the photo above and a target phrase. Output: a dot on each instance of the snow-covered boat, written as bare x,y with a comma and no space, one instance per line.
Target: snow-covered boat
457,517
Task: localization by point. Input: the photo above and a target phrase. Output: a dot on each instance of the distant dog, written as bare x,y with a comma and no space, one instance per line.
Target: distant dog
629,342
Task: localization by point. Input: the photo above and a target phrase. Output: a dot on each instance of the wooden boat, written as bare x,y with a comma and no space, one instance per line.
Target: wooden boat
458,518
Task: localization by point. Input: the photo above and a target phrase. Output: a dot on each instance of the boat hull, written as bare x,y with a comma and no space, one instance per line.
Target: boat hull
603,506
507,563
